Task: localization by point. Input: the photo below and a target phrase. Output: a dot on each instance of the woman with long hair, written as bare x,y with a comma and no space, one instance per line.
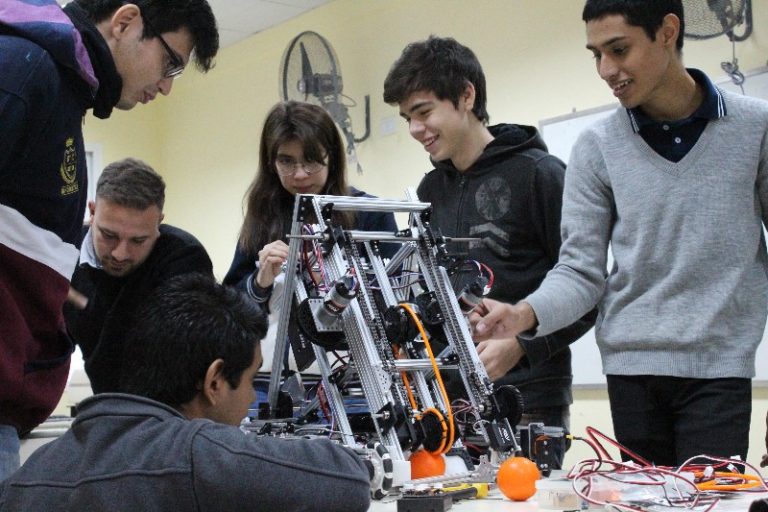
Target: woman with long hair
300,152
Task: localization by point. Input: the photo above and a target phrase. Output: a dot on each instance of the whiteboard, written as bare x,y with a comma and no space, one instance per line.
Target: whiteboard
560,134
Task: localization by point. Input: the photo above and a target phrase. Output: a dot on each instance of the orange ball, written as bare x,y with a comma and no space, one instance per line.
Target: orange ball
517,478
424,464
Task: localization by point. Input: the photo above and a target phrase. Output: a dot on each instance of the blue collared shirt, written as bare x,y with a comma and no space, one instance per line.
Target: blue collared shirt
674,139
88,251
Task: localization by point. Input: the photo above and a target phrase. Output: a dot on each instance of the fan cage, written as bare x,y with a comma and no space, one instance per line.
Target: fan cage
309,71
705,19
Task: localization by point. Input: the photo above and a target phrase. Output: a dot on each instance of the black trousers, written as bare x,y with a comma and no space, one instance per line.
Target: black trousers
666,420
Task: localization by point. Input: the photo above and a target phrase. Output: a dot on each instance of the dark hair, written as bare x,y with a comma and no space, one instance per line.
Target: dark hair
186,324
131,183
647,14
268,204
440,65
169,16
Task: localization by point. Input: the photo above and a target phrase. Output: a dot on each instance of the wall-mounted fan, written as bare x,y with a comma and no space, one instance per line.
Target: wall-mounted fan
711,18
309,71
705,19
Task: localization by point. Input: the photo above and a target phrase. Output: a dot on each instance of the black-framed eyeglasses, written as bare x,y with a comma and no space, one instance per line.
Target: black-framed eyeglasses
175,64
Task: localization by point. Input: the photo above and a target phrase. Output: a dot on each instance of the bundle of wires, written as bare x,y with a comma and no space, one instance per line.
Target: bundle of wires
639,485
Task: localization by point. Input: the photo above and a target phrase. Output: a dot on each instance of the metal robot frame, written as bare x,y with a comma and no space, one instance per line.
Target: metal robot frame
400,378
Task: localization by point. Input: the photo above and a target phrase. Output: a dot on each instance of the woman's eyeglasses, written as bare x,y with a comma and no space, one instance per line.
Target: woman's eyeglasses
288,166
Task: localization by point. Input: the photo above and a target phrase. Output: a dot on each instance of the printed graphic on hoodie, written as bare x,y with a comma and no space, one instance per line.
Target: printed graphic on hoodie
492,200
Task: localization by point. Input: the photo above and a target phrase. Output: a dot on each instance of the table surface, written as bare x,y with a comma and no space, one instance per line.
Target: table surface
495,502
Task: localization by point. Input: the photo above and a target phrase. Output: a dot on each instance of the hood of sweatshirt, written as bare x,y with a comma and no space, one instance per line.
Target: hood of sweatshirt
72,41
507,138
45,23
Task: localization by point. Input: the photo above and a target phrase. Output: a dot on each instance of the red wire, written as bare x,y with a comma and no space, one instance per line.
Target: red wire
586,473
593,433
490,274
323,401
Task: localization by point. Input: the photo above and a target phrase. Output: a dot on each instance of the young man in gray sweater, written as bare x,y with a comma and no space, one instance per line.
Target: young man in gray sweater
676,182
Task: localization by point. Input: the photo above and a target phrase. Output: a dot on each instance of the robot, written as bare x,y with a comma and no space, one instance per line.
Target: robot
390,317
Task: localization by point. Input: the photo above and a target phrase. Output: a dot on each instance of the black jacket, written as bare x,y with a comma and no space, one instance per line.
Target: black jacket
511,199
100,328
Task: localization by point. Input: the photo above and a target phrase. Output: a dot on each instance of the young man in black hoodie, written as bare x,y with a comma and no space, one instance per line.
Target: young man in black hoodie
497,184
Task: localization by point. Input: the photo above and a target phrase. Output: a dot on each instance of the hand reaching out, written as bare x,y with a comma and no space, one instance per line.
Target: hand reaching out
77,299
271,259
494,319
495,326
499,355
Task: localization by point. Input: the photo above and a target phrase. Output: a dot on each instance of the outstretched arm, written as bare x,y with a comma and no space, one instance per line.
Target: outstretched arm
498,319
496,326
77,299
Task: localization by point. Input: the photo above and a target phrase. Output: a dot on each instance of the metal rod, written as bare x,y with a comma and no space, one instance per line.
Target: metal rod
383,236
417,365
345,203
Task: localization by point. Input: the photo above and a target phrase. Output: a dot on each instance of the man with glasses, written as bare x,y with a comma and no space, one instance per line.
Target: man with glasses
56,65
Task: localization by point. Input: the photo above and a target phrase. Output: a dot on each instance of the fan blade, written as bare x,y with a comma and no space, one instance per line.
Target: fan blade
306,67
308,86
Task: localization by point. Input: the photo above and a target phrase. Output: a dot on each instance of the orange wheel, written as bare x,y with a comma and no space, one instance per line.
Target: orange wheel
424,464
435,432
517,478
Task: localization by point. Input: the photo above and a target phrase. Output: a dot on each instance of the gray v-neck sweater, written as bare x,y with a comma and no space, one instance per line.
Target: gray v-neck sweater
687,294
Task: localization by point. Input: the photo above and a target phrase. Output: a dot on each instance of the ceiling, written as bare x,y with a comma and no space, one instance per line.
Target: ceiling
239,19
